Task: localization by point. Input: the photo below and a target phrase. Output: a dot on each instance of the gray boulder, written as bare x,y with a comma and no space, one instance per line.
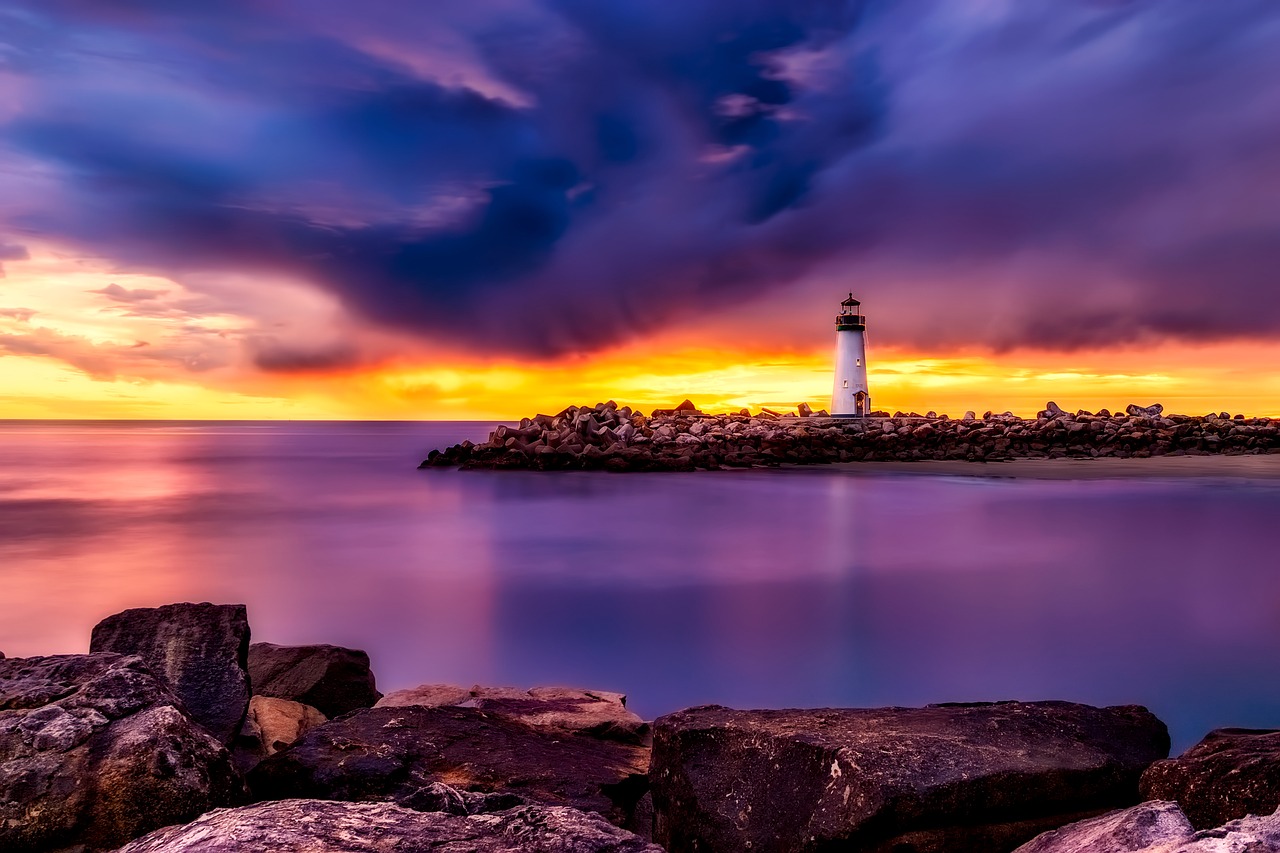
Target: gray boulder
1252,834
595,713
392,753
95,750
1229,774
199,650
331,679
1135,829
984,777
316,826
1152,411
1164,829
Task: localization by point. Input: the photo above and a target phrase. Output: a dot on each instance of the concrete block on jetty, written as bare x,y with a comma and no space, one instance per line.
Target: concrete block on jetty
616,438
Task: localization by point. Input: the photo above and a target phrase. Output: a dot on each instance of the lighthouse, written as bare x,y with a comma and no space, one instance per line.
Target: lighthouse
851,397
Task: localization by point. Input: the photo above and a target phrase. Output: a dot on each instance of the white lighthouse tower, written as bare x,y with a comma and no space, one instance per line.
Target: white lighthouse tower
851,397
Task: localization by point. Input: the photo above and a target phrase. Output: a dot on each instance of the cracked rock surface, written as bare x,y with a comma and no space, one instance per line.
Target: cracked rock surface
96,750
318,826
953,778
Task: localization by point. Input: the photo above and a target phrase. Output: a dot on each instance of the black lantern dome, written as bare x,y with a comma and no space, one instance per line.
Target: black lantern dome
851,318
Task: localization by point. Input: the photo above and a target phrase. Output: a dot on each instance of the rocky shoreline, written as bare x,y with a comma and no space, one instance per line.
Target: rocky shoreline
202,742
613,438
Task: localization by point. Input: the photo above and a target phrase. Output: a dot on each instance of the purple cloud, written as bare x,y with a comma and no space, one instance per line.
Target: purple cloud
542,177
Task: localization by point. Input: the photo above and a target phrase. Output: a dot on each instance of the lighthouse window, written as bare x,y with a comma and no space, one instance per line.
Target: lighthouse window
858,361
846,383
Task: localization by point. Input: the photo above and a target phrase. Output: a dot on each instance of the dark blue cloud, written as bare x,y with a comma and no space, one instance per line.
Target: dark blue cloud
564,172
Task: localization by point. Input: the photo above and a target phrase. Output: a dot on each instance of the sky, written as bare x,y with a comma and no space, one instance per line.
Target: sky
487,208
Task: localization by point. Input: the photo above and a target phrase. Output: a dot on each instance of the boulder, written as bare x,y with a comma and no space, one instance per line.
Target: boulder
200,651
1252,834
1165,829
95,750
1152,411
317,826
1229,774
596,713
439,797
941,778
331,679
1134,829
426,696
270,726
804,410
390,753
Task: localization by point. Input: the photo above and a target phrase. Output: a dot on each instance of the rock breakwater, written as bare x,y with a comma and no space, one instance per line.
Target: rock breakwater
98,750
616,438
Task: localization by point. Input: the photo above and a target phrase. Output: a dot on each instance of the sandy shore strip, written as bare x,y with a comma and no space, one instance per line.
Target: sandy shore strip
1262,467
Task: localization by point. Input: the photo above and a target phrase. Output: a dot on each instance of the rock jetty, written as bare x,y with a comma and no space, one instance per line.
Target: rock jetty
105,749
610,437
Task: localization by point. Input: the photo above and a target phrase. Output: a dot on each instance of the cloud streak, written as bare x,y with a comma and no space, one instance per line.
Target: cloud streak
539,178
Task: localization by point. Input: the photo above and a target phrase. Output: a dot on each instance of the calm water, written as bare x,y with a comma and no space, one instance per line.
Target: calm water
774,588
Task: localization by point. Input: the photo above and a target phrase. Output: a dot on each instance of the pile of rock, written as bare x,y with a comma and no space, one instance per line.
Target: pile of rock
175,750
613,438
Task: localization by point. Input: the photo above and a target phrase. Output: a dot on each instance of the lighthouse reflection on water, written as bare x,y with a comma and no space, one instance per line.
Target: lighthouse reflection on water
851,397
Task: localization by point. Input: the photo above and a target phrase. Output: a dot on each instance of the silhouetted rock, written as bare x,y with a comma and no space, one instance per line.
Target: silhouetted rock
1229,774
1152,411
1134,829
983,777
94,751
200,650
316,826
331,679
595,713
390,753
270,726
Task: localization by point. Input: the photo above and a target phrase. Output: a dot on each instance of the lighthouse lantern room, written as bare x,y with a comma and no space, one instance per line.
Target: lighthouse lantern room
851,397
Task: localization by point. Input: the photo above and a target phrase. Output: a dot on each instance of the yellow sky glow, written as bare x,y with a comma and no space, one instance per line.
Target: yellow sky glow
70,350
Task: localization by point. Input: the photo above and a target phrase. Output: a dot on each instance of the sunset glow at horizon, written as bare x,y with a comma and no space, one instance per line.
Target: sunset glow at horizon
297,210
91,366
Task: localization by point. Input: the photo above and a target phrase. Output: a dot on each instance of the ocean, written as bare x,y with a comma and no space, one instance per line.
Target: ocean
767,588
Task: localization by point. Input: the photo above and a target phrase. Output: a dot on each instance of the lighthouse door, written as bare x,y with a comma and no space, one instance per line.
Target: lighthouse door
860,403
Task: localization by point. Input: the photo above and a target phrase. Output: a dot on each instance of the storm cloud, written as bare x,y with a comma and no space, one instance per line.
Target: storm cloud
545,176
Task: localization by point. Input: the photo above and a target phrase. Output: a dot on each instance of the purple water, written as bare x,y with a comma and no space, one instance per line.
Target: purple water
772,588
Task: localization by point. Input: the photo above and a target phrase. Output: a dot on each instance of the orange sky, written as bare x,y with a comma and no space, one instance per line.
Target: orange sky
72,347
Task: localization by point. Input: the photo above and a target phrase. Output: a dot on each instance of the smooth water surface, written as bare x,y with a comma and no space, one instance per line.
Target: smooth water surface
770,588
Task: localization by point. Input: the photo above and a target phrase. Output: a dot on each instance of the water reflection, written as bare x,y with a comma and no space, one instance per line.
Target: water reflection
767,588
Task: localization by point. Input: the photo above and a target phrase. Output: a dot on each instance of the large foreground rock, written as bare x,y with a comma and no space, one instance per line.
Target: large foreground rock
94,751
1229,774
1159,827
331,679
392,753
1142,827
200,650
595,713
271,725
955,778
316,826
